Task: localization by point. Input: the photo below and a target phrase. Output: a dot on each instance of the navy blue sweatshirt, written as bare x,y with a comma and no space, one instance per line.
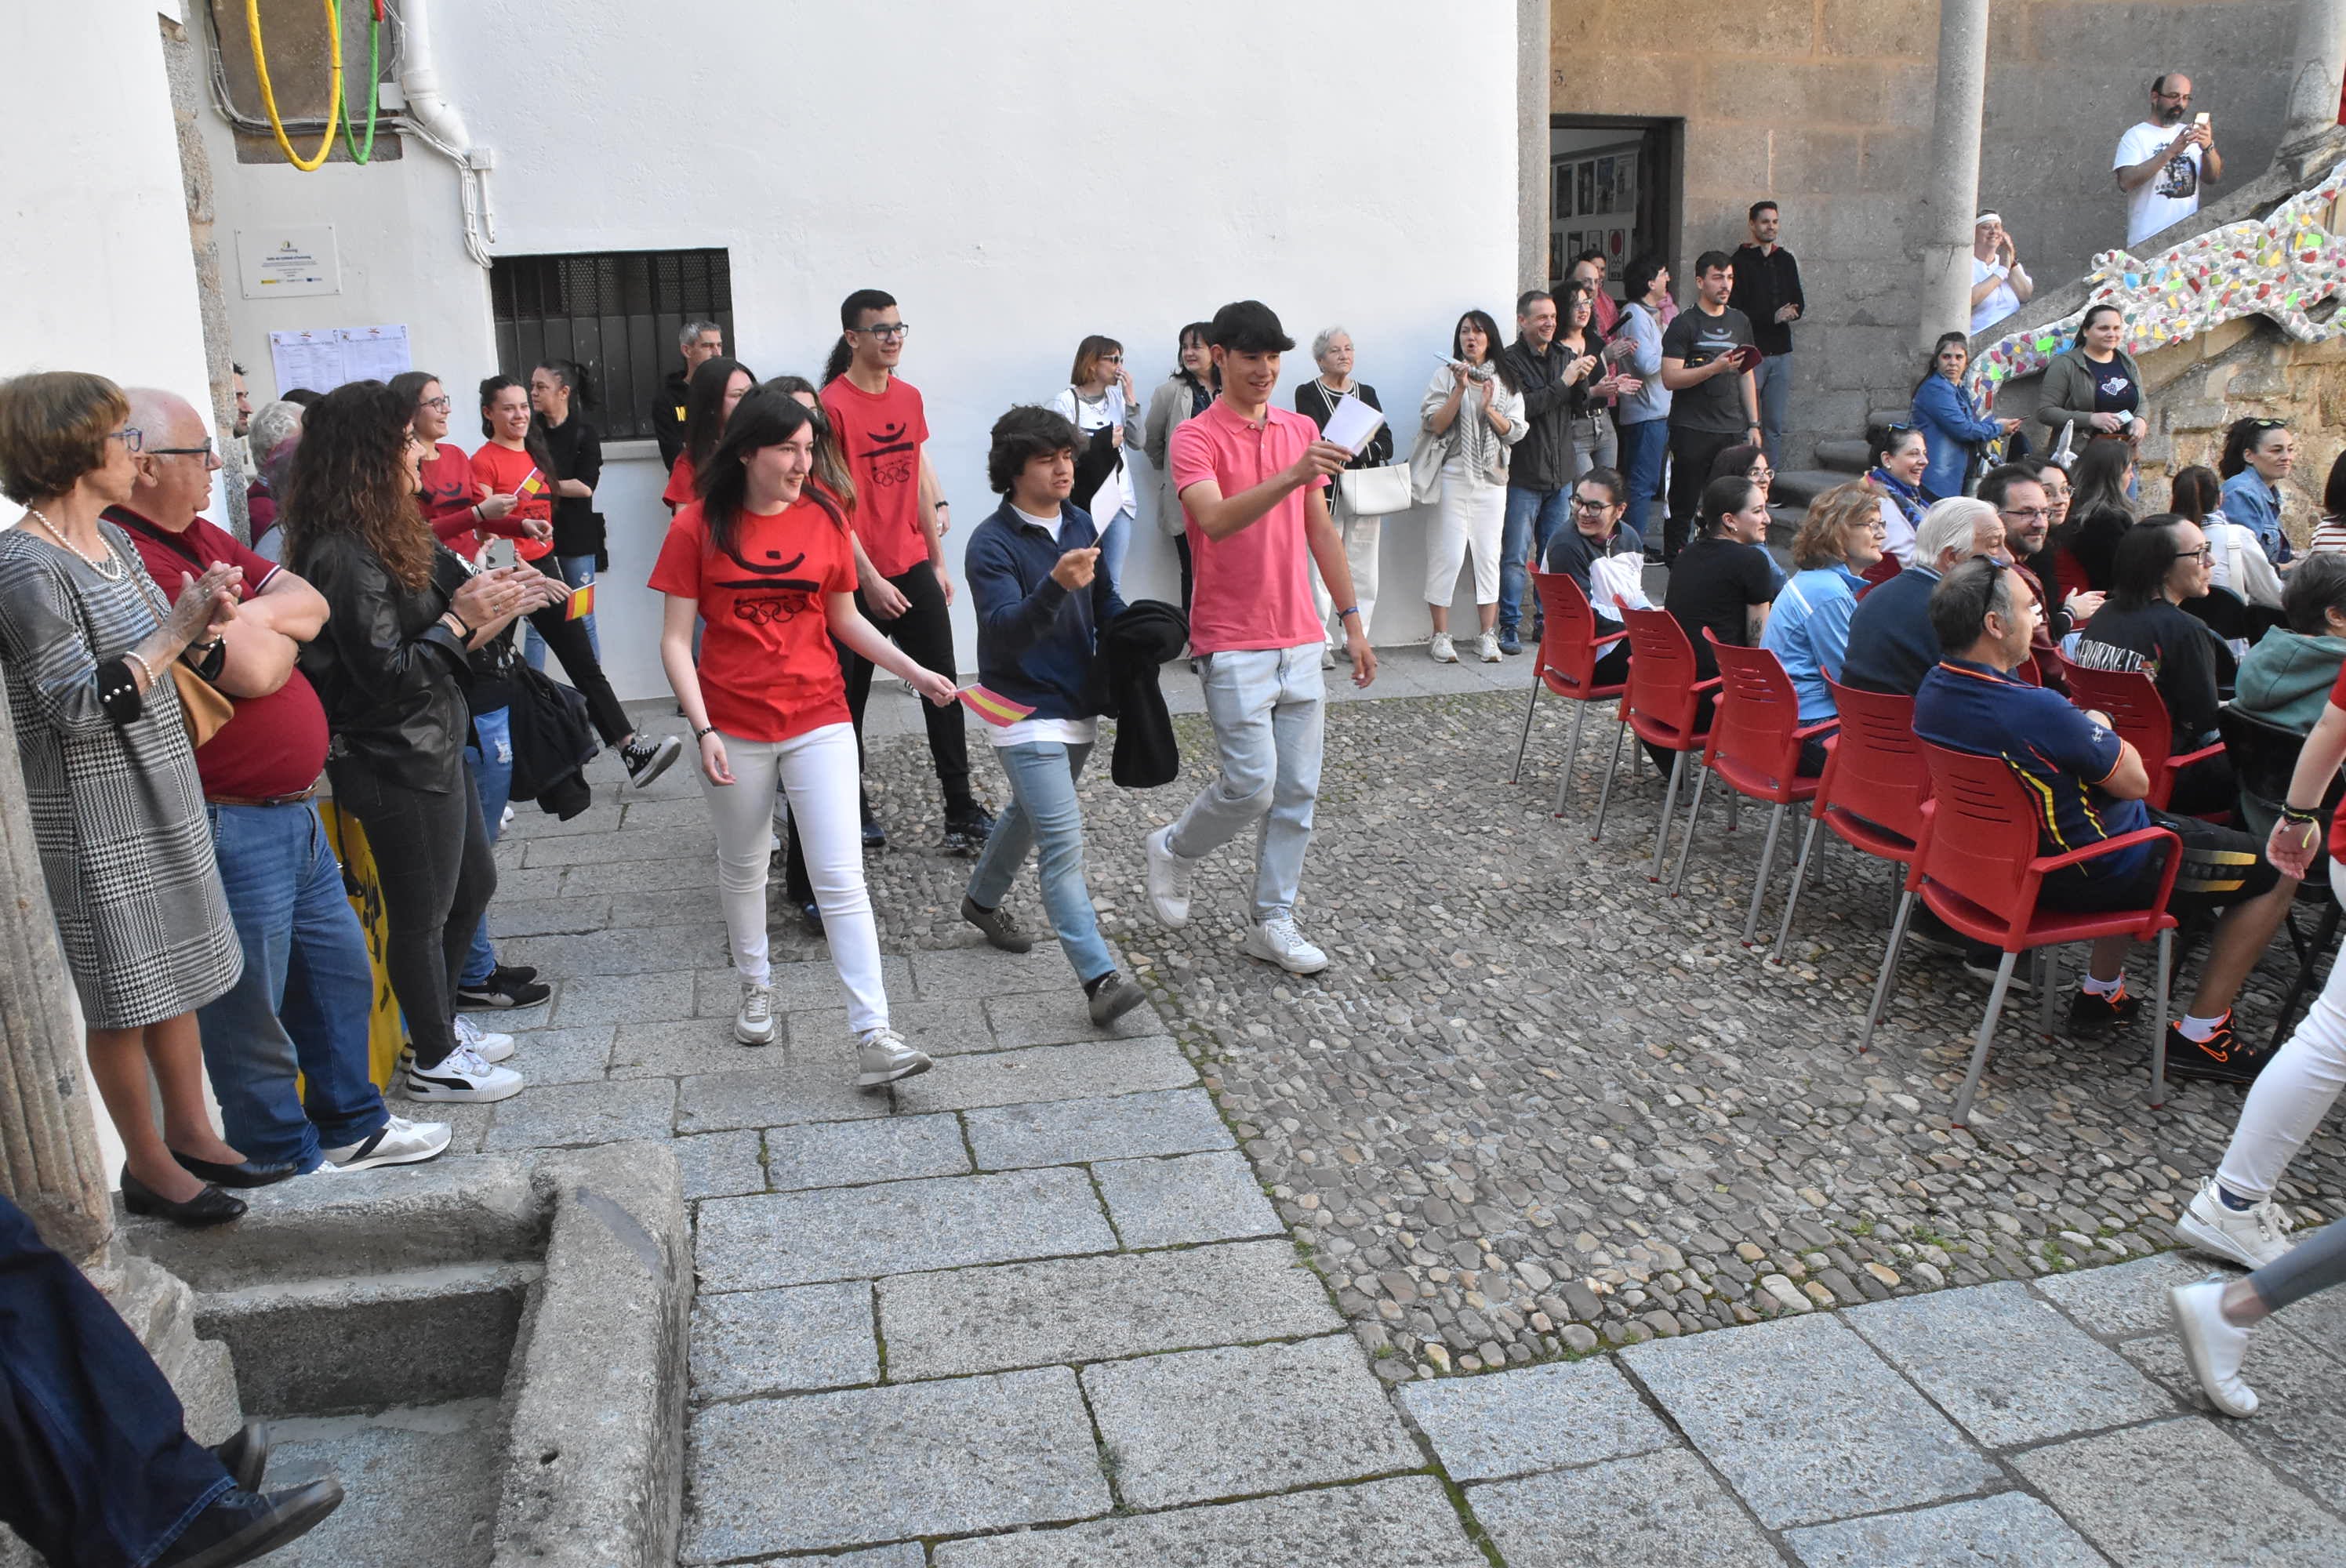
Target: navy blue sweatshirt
1035,640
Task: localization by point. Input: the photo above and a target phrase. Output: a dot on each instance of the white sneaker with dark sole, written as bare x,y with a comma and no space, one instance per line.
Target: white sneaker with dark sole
1167,878
2251,1238
2214,1347
1277,940
883,1057
754,1025
462,1078
648,760
398,1142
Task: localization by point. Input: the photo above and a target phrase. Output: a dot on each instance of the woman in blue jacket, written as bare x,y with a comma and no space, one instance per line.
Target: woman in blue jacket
1950,424
2258,455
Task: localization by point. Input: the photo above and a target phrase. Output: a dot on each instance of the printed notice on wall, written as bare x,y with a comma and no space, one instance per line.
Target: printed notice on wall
323,358
276,263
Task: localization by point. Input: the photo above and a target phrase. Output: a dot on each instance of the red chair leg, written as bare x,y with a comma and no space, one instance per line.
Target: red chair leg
1987,1032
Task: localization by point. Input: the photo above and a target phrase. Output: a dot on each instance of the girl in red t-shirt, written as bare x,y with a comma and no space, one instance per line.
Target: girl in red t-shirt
505,465
764,560
716,387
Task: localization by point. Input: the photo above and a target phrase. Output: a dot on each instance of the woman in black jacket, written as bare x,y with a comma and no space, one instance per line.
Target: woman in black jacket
404,613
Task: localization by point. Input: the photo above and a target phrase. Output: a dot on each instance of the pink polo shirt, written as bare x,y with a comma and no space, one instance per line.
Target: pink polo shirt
1253,588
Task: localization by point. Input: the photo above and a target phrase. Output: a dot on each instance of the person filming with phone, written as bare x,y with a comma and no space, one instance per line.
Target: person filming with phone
2163,161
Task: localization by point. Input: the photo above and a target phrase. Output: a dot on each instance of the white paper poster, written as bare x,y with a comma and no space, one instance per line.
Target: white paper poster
272,263
323,358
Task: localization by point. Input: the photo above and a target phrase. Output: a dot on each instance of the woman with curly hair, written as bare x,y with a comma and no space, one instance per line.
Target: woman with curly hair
405,615
1807,629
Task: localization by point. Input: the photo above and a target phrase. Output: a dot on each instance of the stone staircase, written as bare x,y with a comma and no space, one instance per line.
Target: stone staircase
1837,463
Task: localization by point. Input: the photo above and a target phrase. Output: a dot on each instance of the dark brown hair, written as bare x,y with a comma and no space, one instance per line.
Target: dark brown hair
349,476
53,426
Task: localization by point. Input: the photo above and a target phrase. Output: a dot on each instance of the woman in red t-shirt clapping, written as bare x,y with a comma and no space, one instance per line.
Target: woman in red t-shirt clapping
765,560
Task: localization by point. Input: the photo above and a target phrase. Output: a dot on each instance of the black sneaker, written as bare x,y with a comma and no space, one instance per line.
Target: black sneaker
1113,997
1000,930
500,992
647,759
244,1526
2091,1015
2220,1058
875,837
968,827
1981,964
515,974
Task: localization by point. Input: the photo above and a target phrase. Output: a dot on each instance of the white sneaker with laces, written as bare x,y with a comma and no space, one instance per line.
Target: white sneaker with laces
1167,878
398,1142
883,1057
486,1043
1442,649
462,1077
1277,940
754,1025
2214,1347
2251,1238
1486,647
1327,655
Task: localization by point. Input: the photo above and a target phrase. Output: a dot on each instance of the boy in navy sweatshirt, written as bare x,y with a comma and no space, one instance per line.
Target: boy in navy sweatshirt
1042,595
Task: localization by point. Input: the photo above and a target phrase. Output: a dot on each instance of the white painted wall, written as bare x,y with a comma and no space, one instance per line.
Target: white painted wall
1032,170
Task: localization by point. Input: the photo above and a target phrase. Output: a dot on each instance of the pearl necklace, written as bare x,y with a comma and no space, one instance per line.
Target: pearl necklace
110,568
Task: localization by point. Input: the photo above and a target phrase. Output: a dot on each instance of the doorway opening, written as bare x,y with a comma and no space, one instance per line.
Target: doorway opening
1613,188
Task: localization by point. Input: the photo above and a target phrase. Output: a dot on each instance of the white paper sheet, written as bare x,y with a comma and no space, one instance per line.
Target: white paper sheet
373,353
1350,423
325,358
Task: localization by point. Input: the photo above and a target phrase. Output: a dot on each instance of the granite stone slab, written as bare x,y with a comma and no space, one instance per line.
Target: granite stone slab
2010,1530
2127,1298
648,949
1201,1424
1658,1510
605,816
1185,1198
1092,1308
686,1047
684,811
1533,1419
545,1056
2009,1369
1405,1523
548,915
940,1028
580,1000
869,1465
520,882
777,1341
856,1232
1061,1016
786,1088
611,849
2147,1496
798,984
904,1554
659,907
968,974
694,871
1066,1072
2300,1427
720,1164
564,1114
1807,1423
1070,1132
849,1154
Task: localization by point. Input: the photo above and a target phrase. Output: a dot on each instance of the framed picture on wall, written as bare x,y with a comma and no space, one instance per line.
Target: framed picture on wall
1615,241
1584,179
1562,190
1605,202
1571,248
1625,182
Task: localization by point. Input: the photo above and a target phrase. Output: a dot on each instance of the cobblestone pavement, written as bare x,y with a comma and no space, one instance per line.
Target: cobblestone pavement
1534,1109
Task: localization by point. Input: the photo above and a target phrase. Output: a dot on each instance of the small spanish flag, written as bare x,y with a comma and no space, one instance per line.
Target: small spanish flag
532,487
992,707
582,603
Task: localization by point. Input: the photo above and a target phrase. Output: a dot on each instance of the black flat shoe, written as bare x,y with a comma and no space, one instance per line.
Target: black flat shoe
250,1172
246,1456
243,1526
209,1207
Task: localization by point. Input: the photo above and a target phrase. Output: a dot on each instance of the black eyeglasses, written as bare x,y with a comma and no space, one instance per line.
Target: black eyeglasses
2029,515
204,452
440,402
1583,504
2205,553
886,332
132,438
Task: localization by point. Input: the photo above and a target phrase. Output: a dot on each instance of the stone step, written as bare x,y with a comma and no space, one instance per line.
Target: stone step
1796,487
1847,455
1885,416
1783,521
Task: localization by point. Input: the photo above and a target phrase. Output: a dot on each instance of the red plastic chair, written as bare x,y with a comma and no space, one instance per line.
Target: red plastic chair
1977,868
1755,747
2028,672
2138,714
1662,705
1569,647
1871,795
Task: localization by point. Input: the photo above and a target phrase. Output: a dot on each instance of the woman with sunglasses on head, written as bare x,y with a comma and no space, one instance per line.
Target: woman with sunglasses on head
1101,403
1950,421
764,557
1901,455
2258,455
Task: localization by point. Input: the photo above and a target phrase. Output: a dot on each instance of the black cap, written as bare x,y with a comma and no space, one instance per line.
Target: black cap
1248,327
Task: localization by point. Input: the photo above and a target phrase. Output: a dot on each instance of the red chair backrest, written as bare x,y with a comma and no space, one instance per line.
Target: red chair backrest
1662,672
2136,712
2068,576
2028,672
1753,739
1568,650
1983,832
1876,770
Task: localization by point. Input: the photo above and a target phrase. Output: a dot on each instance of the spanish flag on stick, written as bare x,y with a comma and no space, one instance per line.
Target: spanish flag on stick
992,707
532,487
582,604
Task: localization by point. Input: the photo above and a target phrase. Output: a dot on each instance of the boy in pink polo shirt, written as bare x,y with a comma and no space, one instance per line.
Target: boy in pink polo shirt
1253,482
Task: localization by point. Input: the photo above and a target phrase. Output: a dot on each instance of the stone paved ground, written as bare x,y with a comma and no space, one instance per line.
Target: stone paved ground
1535,1108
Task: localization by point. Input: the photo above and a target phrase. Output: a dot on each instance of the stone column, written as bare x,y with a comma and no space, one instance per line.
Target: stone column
1951,196
1532,76
2318,65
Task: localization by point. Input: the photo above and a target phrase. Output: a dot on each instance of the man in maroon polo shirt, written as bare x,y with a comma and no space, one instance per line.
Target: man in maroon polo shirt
303,1001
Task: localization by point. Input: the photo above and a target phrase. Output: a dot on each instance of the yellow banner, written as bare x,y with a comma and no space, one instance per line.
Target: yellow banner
385,1031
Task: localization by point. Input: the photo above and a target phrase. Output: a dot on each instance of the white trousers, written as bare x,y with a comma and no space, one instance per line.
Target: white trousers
2296,1089
819,772
1360,535
1472,513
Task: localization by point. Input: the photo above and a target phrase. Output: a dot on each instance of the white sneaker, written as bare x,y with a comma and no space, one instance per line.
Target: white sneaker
1442,649
2251,1238
2215,1347
1486,647
883,1057
462,1077
1167,877
505,820
754,1025
1277,940
486,1043
398,1142
1327,655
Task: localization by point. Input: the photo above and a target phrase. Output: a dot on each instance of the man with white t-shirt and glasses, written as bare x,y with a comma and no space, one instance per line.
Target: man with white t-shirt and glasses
2161,168
1253,483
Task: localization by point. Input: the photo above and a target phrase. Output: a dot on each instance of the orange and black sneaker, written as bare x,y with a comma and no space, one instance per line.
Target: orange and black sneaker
2091,1015
2220,1057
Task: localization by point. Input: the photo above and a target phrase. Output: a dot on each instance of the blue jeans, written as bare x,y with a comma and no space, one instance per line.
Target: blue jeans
1775,378
1115,539
96,1468
304,1000
1268,709
493,776
1643,447
1044,811
1532,518
577,571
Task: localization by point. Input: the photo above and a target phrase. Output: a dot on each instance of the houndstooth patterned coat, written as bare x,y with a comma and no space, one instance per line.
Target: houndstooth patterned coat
118,809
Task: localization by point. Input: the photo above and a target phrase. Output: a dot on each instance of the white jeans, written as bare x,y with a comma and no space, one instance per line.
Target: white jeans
818,771
1472,513
1360,535
2296,1089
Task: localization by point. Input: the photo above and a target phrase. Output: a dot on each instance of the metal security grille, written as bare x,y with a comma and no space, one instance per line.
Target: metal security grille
616,313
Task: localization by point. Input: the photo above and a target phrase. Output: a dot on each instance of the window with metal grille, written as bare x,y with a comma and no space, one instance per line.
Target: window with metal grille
616,313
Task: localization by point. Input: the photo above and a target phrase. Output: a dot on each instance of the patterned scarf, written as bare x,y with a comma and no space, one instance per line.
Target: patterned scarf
1909,499
1478,444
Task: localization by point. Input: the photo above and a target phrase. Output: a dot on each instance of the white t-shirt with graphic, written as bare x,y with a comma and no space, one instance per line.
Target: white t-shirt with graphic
2168,196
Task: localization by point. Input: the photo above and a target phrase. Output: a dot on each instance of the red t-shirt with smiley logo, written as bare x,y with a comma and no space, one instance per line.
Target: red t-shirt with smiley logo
767,669
881,437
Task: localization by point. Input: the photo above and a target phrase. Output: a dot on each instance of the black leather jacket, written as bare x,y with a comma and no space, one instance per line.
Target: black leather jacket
386,669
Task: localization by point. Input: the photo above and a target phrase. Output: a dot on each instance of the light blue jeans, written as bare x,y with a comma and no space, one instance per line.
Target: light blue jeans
577,571
492,766
1114,541
1532,518
1269,708
1775,378
1043,813
1643,446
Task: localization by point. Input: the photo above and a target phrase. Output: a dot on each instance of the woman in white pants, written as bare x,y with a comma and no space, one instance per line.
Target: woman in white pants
766,560
1319,397
1475,410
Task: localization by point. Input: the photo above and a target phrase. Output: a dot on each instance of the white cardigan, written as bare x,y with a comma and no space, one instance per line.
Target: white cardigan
1500,396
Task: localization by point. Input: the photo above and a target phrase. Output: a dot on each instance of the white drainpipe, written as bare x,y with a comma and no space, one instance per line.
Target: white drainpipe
436,122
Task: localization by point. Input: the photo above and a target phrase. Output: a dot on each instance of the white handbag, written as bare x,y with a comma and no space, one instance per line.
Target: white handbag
1374,492
1425,461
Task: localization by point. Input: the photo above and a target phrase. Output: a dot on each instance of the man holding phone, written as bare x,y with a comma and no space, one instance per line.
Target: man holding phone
1707,360
2162,162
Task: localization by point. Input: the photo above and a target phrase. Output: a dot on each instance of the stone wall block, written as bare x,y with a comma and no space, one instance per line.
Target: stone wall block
1894,161
1891,29
1755,27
